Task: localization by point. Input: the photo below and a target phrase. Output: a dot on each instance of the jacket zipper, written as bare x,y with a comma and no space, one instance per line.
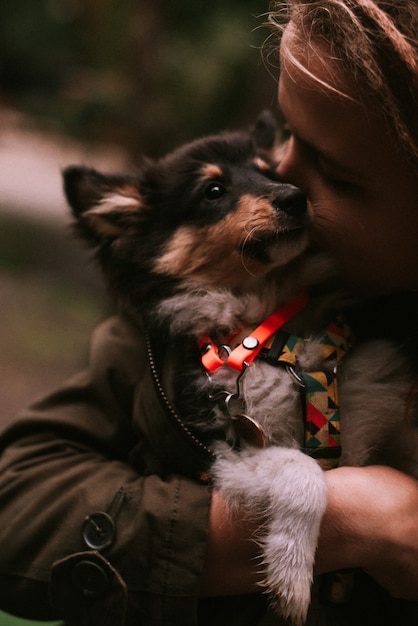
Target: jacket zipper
170,409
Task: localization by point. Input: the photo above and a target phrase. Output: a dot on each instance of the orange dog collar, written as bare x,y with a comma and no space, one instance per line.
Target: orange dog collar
245,353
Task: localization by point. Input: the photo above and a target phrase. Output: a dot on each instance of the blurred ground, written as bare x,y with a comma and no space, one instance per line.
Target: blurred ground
51,295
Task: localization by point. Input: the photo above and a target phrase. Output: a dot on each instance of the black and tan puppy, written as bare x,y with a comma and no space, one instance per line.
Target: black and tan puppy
211,250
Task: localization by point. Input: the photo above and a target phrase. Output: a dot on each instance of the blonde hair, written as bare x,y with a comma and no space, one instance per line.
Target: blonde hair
377,42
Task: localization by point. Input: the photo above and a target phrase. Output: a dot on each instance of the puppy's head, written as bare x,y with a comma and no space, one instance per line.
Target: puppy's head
210,215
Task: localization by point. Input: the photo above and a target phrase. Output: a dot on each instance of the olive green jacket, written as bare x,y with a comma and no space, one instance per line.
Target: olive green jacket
104,503
95,527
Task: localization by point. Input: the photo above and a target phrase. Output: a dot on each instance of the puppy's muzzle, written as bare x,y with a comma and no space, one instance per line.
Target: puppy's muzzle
292,201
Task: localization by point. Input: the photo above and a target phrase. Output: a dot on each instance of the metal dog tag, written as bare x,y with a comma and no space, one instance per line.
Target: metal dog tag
249,430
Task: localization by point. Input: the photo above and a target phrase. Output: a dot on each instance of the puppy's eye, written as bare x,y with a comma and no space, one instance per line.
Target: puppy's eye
214,191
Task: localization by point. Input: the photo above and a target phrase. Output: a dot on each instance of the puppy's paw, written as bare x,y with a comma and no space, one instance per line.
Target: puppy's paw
287,487
238,475
288,578
296,508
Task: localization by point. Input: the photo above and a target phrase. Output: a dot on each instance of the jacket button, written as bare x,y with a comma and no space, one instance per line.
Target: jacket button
99,531
90,579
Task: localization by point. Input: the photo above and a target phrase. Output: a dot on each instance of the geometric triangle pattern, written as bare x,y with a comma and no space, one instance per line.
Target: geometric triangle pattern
322,425
337,339
292,349
322,416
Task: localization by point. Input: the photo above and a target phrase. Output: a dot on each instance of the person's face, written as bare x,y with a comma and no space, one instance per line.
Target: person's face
363,192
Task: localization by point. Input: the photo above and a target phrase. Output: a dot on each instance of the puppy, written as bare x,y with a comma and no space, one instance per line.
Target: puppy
211,249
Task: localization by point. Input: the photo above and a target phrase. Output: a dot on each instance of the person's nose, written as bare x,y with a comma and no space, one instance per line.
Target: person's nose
293,167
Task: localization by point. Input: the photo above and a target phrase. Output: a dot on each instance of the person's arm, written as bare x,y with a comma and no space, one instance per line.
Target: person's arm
371,522
67,460
232,563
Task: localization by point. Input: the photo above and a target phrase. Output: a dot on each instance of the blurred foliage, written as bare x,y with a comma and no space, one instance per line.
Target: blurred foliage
145,75
51,298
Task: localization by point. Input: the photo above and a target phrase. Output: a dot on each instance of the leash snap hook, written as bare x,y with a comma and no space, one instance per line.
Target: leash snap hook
237,396
292,372
240,376
234,404
219,395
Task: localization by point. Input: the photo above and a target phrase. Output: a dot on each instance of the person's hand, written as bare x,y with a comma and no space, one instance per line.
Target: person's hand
232,565
371,522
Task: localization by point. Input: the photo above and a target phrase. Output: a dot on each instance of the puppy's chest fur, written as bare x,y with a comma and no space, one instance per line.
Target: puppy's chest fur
372,379
270,395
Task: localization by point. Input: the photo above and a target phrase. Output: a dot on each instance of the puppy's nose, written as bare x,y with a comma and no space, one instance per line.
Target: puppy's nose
292,201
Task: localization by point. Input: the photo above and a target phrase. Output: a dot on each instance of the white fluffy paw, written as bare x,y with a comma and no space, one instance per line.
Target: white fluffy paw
297,506
288,488
289,577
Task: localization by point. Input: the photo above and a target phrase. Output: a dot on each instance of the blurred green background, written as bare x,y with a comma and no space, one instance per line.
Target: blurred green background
100,82
146,75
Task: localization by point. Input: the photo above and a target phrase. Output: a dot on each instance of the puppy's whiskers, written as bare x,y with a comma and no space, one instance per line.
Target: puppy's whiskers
243,261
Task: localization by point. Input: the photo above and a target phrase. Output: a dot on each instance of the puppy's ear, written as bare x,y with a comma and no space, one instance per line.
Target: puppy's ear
265,131
102,205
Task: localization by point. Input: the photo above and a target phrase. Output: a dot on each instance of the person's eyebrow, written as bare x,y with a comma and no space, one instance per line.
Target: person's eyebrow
321,152
330,159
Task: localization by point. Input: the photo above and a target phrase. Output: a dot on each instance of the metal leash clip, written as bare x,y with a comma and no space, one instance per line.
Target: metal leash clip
245,427
295,375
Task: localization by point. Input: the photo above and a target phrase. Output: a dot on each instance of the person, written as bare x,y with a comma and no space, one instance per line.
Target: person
94,528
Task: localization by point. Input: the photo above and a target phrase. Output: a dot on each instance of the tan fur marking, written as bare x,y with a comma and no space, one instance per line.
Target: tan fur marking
210,171
103,216
116,202
261,164
213,254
